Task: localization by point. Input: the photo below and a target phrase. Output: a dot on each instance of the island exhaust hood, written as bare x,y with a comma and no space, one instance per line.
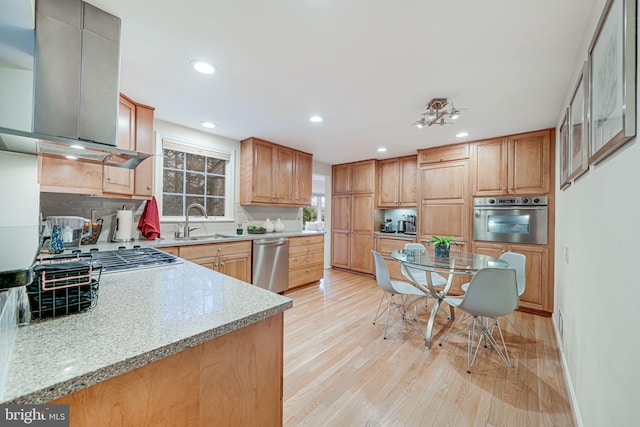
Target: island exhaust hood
60,72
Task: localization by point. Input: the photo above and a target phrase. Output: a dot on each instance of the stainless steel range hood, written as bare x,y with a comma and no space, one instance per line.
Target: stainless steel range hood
59,76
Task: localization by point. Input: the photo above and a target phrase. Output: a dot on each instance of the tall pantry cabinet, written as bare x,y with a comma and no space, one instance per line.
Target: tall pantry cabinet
353,215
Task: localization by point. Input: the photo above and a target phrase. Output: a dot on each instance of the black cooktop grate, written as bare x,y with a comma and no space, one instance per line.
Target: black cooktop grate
125,259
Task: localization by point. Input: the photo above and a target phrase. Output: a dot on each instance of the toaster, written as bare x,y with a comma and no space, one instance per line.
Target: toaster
388,227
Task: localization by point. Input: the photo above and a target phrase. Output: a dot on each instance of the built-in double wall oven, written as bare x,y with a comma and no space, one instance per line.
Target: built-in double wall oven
521,219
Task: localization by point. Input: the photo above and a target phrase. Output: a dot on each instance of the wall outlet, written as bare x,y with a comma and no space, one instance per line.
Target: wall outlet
566,254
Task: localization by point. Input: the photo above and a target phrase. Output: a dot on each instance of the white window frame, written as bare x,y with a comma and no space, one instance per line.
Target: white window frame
202,149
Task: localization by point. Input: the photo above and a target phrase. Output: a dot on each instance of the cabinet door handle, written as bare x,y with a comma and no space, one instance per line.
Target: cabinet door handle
308,270
222,263
109,178
148,187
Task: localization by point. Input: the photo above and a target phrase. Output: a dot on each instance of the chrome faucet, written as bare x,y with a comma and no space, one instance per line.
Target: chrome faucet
186,224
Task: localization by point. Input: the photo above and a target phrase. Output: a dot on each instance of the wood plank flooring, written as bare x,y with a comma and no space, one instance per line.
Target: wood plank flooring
339,371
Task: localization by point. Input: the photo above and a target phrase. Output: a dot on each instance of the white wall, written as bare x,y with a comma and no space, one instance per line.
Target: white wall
596,289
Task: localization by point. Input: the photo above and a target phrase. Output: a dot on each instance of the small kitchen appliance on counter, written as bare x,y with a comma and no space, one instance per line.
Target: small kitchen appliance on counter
388,227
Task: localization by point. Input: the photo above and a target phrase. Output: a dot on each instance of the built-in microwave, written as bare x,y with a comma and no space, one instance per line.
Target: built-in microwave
520,219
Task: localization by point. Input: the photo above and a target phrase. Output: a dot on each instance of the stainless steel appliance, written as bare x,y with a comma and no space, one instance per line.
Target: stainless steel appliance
126,259
520,219
411,224
388,227
271,264
402,226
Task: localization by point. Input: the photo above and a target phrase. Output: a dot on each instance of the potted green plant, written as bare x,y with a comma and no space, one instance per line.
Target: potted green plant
441,245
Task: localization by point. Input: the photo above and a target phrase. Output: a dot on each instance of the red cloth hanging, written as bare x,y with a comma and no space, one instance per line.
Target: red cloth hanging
149,224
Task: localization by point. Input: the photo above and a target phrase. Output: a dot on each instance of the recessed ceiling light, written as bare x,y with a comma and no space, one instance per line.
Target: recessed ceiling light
71,157
462,134
381,150
209,125
203,66
77,146
315,119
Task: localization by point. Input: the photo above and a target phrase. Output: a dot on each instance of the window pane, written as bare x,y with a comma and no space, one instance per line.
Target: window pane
195,162
215,186
173,159
173,182
172,205
195,199
215,206
195,183
216,166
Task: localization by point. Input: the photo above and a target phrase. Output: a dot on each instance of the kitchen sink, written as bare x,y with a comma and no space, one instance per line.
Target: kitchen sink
210,237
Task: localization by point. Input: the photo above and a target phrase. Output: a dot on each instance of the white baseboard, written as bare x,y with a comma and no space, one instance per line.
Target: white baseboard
567,378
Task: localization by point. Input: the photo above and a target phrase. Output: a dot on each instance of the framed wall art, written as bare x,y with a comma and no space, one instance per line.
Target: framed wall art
612,74
565,151
578,127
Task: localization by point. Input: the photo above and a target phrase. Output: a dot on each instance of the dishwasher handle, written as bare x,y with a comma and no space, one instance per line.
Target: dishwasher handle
271,242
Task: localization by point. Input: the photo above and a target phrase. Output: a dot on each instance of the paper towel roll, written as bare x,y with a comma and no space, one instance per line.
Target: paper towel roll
124,226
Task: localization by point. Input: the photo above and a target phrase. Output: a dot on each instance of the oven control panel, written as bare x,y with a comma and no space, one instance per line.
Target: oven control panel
511,201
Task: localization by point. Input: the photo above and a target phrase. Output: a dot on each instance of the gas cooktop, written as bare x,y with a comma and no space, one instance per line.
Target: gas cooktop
136,258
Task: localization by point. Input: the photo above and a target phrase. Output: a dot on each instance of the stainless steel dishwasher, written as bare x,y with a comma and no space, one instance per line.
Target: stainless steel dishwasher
271,264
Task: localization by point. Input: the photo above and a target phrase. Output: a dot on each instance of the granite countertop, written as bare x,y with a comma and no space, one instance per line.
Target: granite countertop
141,316
198,240
396,235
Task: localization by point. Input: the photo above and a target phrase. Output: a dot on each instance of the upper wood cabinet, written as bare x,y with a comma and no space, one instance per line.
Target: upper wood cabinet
268,174
303,182
135,126
444,200
445,153
358,177
398,182
135,132
517,164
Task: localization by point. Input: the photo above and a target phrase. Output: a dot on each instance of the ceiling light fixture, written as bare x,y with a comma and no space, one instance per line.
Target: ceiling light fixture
438,109
315,119
381,150
208,125
203,66
462,134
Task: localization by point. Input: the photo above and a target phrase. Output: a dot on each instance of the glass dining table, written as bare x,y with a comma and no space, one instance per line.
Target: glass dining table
419,266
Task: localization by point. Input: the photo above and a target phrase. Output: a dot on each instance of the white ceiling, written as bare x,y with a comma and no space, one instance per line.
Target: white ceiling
367,66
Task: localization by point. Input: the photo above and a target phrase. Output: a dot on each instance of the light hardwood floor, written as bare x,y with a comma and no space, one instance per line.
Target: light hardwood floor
339,371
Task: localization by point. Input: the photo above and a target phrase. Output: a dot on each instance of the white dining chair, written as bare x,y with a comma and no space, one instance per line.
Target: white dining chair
420,276
398,294
518,262
493,293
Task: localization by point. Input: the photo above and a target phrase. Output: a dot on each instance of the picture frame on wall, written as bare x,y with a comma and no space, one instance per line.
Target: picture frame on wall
565,151
612,73
579,126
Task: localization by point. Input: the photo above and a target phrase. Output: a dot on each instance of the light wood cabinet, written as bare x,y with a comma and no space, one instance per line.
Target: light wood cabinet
444,201
384,246
232,380
358,177
445,153
306,260
135,132
538,295
117,180
303,183
352,232
232,259
517,164
398,182
268,174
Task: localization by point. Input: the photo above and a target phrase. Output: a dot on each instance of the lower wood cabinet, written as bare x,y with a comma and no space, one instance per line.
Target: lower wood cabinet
232,259
232,380
384,246
306,260
538,295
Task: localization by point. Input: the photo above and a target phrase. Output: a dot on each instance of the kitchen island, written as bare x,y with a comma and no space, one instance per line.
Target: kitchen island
177,342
